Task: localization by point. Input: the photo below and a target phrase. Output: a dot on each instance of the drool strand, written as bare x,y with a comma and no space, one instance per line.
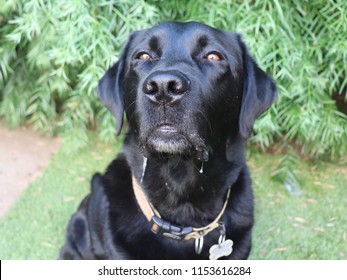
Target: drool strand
144,165
202,168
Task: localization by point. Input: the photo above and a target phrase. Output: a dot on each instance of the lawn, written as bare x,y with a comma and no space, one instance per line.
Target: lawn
310,226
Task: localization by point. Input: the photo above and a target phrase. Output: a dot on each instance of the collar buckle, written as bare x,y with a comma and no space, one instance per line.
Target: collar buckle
162,227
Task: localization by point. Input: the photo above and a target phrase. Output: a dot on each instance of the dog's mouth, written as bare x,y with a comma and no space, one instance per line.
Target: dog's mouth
167,129
167,138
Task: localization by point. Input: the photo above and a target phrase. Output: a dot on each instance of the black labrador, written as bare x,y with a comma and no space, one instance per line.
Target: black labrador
180,188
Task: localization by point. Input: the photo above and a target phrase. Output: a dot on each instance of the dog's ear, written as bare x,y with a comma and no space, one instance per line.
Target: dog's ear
259,92
111,93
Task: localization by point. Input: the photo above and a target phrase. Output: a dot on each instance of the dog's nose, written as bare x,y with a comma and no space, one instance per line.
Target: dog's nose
165,86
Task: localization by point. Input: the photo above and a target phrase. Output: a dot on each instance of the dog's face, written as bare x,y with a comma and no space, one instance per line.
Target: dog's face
186,88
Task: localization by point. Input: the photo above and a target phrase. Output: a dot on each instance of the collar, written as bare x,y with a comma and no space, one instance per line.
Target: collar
165,228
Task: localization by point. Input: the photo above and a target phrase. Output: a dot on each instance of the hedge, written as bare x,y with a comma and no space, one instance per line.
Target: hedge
52,54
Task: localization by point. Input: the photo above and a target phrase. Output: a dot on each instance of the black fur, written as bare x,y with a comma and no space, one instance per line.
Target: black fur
191,94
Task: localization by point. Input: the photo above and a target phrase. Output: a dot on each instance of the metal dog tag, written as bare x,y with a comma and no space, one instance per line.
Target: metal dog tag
222,249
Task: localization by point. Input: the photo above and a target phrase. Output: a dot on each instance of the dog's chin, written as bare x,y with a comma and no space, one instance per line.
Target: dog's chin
166,139
171,143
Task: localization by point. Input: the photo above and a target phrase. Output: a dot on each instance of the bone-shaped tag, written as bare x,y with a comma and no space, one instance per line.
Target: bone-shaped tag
221,250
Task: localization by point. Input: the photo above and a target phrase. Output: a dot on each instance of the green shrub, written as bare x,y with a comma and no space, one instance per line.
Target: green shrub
52,54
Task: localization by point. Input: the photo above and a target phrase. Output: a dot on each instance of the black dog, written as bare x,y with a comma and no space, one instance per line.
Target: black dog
191,94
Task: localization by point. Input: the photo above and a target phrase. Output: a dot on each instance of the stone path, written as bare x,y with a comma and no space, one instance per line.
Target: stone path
23,154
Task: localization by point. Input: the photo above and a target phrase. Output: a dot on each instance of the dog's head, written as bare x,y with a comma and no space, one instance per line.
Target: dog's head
186,87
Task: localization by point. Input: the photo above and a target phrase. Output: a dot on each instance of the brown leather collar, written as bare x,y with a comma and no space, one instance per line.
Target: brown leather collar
160,226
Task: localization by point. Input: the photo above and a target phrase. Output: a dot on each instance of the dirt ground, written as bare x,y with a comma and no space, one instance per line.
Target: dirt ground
23,155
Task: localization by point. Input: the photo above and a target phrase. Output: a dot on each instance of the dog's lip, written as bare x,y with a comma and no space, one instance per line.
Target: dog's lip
167,128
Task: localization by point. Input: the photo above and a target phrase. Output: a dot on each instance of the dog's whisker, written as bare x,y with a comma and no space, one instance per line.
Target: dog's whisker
133,114
208,122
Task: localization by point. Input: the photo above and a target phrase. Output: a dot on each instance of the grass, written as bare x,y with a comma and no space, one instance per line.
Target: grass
310,226
35,226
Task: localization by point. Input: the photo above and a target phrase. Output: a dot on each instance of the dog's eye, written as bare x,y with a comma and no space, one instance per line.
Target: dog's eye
143,56
213,56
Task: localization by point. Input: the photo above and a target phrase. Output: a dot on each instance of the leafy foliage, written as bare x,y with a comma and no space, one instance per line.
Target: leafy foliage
52,54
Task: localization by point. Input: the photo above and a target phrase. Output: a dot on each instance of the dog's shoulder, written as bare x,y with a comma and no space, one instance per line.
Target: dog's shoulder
90,228
81,241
